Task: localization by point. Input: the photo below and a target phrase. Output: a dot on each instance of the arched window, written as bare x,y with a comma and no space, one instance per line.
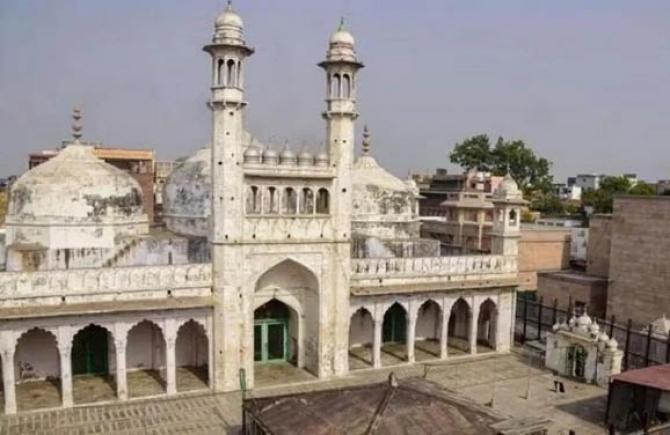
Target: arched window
346,86
220,73
253,200
336,87
290,201
272,201
513,217
238,79
307,201
322,201
230,77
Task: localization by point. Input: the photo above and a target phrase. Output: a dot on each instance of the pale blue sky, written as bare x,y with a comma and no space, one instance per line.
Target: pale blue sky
585,83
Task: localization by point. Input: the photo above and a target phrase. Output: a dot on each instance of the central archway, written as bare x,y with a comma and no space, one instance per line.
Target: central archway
92,352
394,332
286,316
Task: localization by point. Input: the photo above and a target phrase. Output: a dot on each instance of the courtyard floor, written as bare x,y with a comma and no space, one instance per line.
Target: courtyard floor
513,383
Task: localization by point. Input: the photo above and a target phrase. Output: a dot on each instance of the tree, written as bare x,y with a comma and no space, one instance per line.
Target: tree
602,199
642,188
547,203
3,207
528,170
473,153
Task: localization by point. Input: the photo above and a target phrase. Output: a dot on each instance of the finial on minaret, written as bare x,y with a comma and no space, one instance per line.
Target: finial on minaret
76,123
366,140
229,5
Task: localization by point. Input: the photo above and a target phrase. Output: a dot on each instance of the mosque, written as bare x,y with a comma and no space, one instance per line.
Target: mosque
266,257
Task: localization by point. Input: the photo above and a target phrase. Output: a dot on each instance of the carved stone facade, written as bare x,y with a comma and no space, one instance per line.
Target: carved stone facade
256,261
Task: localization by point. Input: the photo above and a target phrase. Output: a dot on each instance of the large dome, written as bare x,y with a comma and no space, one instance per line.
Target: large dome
186,193
383,205
74,200
75,187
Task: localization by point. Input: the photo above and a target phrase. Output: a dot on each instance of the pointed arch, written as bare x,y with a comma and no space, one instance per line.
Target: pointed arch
230,73
486,324
146,357
37,368
459,324
346,86
287,274
323,201
191,355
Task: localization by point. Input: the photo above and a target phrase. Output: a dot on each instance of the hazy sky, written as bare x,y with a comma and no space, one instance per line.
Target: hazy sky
585,83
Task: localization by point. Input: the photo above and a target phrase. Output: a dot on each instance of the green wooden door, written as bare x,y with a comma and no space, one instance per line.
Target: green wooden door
90,351
270,340
395,325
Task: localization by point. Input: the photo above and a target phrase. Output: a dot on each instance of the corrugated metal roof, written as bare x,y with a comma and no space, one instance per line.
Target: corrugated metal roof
655,377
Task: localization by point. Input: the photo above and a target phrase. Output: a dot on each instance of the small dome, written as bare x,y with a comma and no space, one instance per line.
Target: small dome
270,156
508,189
252,154
305,159
603,337
229,19
584,322
287,157
342,36
612,344
322,160
594,329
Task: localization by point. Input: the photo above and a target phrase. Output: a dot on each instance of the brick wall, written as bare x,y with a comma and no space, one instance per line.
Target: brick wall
640,259
542,250
598,250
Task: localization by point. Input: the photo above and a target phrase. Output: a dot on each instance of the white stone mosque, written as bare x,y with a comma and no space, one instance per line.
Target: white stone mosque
266,257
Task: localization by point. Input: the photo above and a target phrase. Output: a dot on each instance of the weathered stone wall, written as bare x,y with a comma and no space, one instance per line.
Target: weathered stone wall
599,246
639,264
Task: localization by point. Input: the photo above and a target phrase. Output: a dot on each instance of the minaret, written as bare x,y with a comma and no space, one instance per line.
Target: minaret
229,52
341,66
506,231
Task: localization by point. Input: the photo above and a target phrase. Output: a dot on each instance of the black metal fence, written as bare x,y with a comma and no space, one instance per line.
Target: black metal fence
642,346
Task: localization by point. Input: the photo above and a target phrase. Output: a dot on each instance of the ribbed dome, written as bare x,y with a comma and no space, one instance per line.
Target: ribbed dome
74,187
342,36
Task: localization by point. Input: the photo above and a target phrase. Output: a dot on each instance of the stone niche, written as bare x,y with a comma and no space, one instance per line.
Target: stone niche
578,349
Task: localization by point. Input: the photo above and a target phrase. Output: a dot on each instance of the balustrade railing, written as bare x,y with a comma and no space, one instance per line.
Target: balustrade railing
16,286
455,265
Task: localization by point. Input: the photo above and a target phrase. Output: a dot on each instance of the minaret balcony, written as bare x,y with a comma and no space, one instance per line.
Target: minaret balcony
227,94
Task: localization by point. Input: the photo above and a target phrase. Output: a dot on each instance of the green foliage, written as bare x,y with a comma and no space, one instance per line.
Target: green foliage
529,171
3,207
602,199
642,188
547,203
473,153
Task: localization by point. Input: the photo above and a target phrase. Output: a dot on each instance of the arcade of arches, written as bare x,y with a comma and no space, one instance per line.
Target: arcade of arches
47,366
417,329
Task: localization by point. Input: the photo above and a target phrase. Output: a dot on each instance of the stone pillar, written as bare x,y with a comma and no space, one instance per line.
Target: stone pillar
121,378
66,375
411,329
9,381
474,317
444,333
377,345
170,365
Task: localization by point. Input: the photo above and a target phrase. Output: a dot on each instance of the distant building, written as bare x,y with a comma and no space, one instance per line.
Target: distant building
566,192
588,181
136,162
662,187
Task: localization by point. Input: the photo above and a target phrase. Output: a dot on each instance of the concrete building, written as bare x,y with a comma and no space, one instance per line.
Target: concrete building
568,192
266,257
588,181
